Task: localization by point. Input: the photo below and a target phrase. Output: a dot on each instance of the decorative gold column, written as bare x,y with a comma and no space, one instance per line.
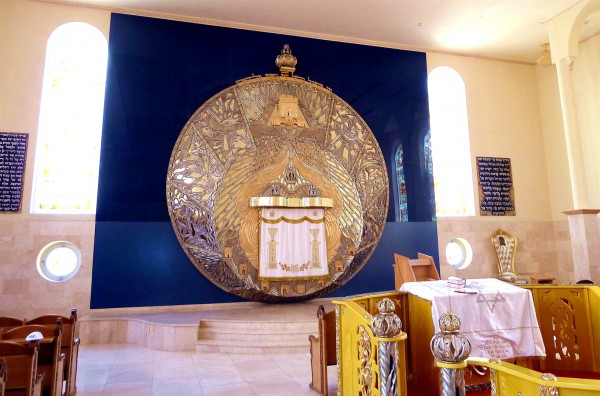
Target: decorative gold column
584,228
387,325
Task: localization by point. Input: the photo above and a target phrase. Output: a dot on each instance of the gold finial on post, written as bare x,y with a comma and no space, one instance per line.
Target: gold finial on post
451,348
286,62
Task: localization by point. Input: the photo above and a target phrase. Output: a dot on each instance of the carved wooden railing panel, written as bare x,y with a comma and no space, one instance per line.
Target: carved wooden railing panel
564,316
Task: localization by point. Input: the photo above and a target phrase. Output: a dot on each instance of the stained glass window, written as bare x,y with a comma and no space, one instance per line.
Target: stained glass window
70,124
452,169
401,183
429,170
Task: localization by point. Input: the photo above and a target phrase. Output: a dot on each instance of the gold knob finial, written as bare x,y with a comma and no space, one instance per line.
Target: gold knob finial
286,62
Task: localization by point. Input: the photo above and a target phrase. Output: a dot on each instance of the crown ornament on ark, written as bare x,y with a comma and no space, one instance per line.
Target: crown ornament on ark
286,62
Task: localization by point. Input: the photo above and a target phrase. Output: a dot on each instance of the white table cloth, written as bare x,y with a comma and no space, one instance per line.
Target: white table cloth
498,318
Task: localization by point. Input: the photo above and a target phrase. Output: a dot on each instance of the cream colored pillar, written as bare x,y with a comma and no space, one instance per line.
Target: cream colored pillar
564,33
584,226
564,68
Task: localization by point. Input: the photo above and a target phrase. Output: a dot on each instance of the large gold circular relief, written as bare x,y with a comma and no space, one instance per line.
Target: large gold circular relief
277,189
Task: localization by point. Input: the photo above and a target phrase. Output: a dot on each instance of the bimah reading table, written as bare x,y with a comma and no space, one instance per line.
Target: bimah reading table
498,318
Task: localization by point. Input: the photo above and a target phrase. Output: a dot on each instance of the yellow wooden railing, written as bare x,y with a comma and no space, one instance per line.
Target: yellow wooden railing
569,318
359,361
510,379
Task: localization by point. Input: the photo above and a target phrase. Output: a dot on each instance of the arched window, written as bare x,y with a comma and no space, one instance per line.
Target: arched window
453,175
70,125
401,185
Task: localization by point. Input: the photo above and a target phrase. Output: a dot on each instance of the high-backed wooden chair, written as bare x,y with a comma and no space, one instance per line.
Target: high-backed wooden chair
505,246
8,322
69,344
3,374
21,365
50,357
414,270
322,351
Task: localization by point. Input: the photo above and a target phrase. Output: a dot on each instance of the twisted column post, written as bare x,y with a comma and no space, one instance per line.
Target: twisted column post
548,390
451,349
386,324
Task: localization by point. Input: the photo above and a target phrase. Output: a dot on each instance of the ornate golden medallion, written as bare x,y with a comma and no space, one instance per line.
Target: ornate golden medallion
266,144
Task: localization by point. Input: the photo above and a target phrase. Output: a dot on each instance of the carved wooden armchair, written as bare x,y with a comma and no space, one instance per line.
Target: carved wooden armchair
505,246
322,351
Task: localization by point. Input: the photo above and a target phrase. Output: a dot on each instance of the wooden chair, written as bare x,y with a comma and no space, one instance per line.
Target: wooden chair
3,374
21,365
414,270
8,322
505,246
69,343
50,357
322,351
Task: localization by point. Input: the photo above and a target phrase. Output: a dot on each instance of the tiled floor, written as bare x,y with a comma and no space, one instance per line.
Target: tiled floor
127,369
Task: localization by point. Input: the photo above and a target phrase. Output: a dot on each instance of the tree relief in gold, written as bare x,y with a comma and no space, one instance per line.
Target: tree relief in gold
284,137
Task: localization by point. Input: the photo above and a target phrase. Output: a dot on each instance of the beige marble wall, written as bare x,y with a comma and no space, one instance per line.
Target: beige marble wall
23,292
543,247
585,243
25,27
165,337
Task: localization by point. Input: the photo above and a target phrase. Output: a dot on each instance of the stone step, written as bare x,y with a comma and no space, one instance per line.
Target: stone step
255,336
250,347
249,325
243,327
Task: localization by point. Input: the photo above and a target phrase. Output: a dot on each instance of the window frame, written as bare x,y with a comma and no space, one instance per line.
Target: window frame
443,151
57,125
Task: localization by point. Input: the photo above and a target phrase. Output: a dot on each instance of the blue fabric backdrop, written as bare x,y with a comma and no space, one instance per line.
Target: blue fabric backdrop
159,73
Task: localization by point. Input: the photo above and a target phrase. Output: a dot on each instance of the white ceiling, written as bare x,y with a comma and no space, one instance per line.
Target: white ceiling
502,29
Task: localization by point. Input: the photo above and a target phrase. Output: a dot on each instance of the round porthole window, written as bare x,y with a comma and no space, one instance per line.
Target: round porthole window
459,253
59,261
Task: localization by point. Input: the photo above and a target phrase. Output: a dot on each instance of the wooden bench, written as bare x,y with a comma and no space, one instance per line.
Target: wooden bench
3,374
322,351
69,344
50,357
8,322
414,270
21,364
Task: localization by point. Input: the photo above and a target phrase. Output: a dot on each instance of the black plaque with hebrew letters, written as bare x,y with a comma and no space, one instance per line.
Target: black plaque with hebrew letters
496,194
13,151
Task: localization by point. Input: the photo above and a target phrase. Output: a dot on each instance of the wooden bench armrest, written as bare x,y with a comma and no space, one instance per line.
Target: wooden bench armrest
59,374
37,385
